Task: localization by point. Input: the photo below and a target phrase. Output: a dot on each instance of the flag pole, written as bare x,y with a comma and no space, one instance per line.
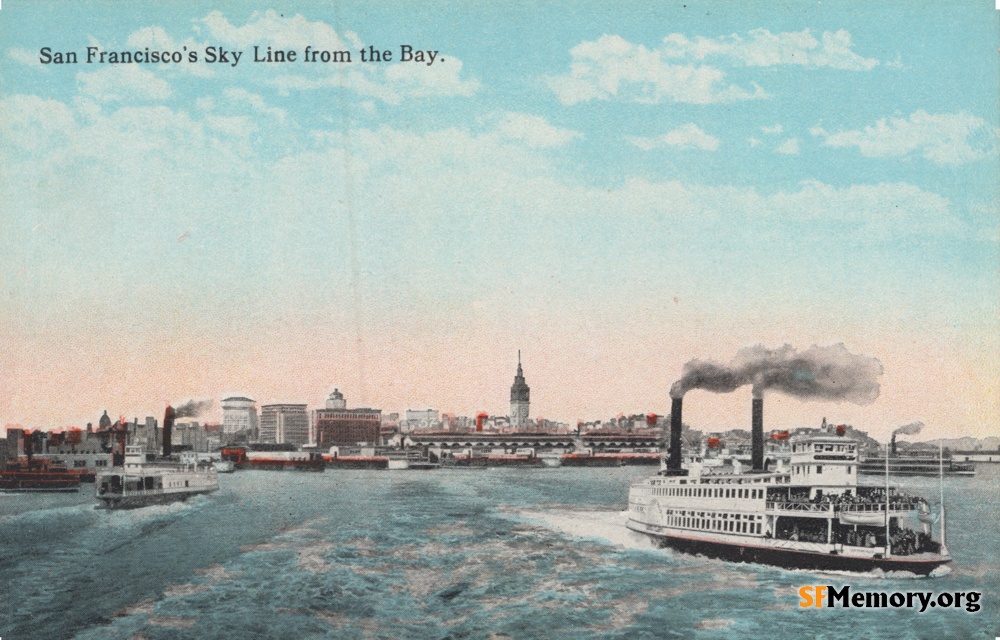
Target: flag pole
944,548
888,544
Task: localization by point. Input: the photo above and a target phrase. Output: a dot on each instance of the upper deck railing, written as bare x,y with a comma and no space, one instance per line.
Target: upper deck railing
831,508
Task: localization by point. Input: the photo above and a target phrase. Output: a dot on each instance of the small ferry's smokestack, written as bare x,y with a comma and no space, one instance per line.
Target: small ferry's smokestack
894,444
674,461
168,425
757,435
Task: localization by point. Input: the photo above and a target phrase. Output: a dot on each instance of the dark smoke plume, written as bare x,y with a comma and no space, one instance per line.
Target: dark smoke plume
192,408
911,429
818,373
708,375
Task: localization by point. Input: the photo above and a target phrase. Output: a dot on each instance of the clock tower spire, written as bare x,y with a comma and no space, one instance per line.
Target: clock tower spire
519,398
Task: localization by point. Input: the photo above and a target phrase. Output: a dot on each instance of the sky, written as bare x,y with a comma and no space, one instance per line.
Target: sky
611,188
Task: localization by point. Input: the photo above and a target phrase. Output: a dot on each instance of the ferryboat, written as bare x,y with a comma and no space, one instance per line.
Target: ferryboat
144,481
284,460
812,516
37,475
916,466
586,458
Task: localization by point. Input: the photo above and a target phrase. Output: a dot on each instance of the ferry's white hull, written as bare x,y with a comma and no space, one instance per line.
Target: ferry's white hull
787,554
135,501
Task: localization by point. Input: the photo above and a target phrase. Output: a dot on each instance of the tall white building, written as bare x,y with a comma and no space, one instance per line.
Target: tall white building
284,423
239,415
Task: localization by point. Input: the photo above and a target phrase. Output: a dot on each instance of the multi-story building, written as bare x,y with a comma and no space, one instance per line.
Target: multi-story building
284,423
239,415
338,426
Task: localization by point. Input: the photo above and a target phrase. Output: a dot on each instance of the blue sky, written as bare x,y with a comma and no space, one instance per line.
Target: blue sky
615,189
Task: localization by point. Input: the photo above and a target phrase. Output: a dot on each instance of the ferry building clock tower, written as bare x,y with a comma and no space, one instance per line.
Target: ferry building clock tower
519,398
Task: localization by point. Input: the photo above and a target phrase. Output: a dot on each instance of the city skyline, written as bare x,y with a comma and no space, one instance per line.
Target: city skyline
614,193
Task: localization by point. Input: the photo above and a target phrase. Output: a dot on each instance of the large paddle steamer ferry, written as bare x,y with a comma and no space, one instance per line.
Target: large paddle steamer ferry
813,515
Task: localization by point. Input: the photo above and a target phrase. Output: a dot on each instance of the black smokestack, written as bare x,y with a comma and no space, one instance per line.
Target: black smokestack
168,424
674,461
29,445
911,429
757,435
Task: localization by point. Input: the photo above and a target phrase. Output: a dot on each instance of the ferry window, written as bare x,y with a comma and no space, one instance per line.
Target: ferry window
850,470
819,468
817,447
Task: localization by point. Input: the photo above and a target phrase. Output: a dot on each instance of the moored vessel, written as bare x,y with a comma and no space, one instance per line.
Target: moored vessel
37,475
284,460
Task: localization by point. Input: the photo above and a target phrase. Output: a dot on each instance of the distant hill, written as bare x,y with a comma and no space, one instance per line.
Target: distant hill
968,443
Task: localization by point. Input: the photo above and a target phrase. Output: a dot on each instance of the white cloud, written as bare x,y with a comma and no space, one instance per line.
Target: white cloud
32,124
612,67
136,155
122,83
270,28
753,142
688,136
945,139
240,95
534,131
870,212
789,147
761,48
775,130
30,58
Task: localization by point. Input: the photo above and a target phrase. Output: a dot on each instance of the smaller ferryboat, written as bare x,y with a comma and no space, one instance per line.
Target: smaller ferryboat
144,481
37,475
224,466
925,465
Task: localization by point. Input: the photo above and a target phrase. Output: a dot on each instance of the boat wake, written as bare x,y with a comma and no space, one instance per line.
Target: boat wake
601,525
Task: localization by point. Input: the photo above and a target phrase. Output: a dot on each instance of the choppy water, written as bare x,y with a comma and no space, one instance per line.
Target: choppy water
446,554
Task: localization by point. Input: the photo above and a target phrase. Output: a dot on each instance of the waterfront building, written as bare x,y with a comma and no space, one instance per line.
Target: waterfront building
284,424
239,415
336,425
519,399
422,419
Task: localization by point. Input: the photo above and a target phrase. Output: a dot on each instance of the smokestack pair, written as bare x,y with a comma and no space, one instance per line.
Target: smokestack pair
756,437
